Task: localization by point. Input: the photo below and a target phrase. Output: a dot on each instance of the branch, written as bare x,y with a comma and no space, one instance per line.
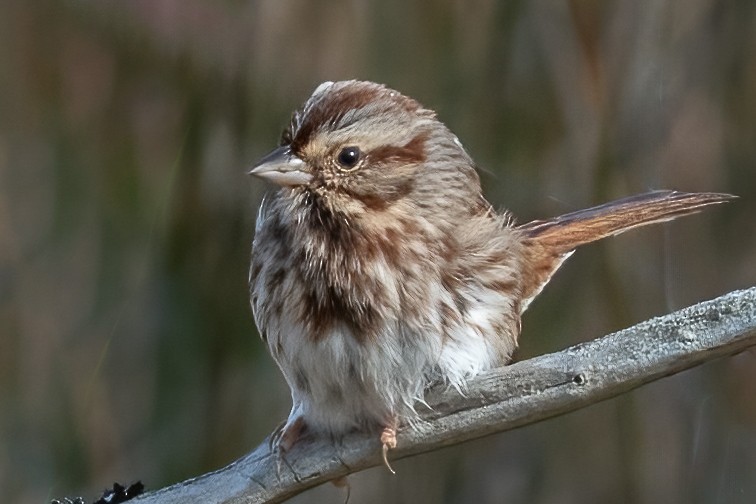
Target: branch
502,399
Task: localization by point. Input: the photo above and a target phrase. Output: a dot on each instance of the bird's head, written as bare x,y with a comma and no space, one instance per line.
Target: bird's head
359,147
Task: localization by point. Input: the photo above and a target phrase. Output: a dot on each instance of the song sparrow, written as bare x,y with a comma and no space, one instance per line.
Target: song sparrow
379,268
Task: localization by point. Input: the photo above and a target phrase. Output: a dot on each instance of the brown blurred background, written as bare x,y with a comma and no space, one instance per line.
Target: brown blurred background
127,347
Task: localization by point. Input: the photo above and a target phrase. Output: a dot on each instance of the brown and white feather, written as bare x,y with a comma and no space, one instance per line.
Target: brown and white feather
370,282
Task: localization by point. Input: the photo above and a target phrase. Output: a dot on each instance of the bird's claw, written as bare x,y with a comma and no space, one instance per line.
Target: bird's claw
388,440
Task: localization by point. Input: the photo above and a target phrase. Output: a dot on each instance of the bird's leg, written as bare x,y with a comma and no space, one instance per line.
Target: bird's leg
284,437
291,433
343,482
388,440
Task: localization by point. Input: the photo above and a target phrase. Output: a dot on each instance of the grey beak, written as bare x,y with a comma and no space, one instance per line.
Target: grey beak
281,167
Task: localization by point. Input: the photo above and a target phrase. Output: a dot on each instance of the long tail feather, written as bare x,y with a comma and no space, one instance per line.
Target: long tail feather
550,242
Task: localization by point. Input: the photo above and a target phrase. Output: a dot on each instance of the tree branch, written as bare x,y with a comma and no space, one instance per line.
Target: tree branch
502,399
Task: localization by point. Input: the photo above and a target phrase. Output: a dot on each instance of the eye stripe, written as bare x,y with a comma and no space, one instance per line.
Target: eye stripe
412,152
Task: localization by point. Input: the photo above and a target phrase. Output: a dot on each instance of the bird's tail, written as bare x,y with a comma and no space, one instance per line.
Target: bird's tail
549,242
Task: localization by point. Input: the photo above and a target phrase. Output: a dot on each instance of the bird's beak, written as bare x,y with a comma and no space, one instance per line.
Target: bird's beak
282,167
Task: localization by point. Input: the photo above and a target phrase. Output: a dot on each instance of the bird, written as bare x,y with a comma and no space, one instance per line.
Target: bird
378,267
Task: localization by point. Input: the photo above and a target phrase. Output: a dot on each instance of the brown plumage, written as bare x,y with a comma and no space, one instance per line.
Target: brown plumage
549,242
379,268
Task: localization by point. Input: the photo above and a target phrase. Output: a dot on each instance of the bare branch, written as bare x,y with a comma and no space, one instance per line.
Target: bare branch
503,399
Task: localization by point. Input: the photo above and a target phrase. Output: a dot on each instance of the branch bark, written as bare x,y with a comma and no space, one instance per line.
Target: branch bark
502,399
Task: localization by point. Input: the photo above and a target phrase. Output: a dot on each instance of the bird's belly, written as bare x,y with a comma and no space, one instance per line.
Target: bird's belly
339,383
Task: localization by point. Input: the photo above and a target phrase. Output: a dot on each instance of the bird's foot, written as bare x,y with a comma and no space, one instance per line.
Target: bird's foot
388,440
284,437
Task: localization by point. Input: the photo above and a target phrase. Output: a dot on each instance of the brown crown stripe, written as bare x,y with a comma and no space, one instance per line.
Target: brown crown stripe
329,110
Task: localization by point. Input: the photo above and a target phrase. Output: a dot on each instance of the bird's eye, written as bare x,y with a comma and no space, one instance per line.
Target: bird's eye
349,157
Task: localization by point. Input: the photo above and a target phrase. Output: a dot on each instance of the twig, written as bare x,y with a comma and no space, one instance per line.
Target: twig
502,399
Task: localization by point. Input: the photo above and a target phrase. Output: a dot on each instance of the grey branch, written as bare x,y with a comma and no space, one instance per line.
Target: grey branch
502,399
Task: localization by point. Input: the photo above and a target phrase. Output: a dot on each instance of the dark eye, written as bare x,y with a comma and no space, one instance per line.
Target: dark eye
349,157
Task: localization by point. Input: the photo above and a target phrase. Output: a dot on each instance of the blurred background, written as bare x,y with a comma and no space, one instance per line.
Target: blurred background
127,346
